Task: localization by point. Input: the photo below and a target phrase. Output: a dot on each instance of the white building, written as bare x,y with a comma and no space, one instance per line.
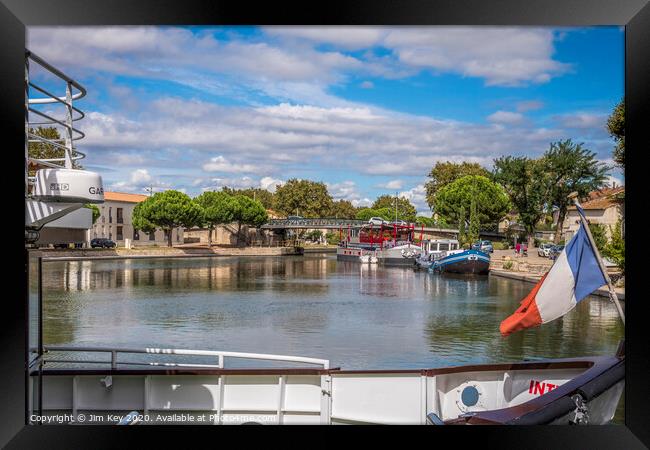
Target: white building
603,207
115,223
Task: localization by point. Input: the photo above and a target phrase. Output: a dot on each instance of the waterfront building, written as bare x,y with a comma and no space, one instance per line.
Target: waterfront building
115,222
226,234
605,207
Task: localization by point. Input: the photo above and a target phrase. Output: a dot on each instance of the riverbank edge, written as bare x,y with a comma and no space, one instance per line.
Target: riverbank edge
174,252
602,292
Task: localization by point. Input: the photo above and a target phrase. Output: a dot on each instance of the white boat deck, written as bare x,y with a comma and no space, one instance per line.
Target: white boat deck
187,393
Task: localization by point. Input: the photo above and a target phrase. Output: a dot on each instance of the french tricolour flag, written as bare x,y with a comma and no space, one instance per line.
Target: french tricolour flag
575,275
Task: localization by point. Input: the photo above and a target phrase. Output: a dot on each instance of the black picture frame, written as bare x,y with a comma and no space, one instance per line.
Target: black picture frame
15,15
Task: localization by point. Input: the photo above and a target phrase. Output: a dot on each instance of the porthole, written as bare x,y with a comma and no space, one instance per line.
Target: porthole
469,396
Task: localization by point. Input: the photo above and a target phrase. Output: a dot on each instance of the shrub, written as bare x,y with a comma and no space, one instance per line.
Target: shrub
615,249
500,246
332,238
508,265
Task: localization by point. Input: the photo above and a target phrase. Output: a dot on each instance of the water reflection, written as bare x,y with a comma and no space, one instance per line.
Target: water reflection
359,316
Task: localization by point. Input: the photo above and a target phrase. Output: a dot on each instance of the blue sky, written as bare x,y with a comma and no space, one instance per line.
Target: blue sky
367,110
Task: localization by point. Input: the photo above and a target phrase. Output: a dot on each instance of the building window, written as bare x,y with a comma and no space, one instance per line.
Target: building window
152,236
120,236
110,214
136,235
120,215
103,218
178,236
166,234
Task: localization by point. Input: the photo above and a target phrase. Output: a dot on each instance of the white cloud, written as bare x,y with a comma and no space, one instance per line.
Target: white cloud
583,120
506,117
138,180
269,183
289,64
268,141
221,164
506,56
417,196
367,85
393,184
140,176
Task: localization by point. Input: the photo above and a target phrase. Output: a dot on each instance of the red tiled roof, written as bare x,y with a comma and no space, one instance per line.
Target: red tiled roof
602,199
124,197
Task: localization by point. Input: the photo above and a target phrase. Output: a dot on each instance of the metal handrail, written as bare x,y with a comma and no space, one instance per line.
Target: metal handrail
71,134
56,72
221,355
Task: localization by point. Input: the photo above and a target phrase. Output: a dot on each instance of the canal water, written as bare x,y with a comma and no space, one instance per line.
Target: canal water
357,316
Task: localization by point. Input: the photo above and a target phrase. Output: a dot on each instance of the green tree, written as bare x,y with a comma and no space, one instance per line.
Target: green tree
527,185
167,210
43,150
599,233
571,168
384,213
343,209
247,211
95,211
262,195
491,200
474,222
332,238
462,236
616,128
405,209
615,249
216,208
447,172
426,221
303,197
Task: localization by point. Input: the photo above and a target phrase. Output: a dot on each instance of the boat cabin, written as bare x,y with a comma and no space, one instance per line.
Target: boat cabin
380,236
438,248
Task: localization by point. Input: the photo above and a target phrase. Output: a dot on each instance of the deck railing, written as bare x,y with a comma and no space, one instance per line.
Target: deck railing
73,91
220,357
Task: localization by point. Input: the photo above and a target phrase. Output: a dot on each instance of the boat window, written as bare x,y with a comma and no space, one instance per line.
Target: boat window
443,246
469,396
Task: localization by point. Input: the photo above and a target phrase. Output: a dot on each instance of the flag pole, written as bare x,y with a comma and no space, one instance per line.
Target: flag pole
610,286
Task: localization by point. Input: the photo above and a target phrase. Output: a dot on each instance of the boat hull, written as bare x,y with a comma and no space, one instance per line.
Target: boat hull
396,256
468,262
528,393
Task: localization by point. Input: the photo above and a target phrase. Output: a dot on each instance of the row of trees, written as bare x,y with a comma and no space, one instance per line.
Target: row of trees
301,198
171,209
533,188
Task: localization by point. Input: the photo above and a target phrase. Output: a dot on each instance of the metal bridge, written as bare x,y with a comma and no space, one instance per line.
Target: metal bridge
283,224
336,224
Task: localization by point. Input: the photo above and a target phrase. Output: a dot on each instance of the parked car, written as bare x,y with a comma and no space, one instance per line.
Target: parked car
376,221
102,243
555,251
400,222
544,250
295,217
484,246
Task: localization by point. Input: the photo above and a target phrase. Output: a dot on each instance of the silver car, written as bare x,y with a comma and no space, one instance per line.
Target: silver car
544,250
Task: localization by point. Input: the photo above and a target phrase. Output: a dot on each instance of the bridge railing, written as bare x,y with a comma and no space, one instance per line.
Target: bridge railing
313,223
